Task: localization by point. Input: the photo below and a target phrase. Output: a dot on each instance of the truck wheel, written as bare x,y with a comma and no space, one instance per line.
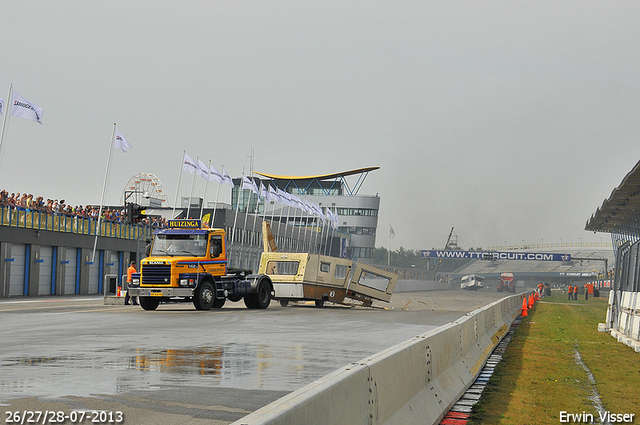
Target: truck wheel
149,303
263,297
249,301
219,302
319,303
284,303
204,297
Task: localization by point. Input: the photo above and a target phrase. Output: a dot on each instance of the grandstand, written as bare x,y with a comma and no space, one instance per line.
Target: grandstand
585,266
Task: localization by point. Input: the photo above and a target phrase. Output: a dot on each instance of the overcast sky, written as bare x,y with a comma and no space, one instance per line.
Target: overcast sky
509,120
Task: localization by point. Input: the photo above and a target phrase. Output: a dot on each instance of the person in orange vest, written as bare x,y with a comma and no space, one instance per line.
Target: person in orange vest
570,292
131,270
575,292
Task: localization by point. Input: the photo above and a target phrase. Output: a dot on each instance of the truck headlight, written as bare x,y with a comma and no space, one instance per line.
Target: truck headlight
135,282
184,282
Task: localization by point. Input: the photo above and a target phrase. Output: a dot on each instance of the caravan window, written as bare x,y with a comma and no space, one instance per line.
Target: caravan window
375,281
341,271
287,268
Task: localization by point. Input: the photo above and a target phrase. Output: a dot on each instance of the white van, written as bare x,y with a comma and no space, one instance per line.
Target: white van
472,282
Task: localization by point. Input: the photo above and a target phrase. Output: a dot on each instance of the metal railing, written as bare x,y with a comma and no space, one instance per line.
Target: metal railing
39,220
551,245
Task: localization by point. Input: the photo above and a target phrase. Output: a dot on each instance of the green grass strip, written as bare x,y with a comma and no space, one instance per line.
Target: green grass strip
538,376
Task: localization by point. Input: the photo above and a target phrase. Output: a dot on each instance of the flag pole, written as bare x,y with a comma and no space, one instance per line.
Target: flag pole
389,245
175,201
255,216
104,189
280,215
333,226
5,120
327,228
233,236
193,180
215,204
204,196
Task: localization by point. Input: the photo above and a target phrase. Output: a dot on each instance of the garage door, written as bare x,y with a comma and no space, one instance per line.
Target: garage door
46,266
16,279
94,274
70,272
114,262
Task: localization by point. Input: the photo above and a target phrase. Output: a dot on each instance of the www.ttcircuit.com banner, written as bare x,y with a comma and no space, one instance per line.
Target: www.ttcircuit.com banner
484,255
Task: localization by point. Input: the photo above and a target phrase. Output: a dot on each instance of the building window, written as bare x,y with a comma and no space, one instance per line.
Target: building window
361,252
358,230
368,212
365,231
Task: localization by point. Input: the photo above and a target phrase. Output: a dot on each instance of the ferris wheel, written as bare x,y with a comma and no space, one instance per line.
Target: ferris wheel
144,189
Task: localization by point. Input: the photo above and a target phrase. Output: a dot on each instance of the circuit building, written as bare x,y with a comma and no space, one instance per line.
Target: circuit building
357,213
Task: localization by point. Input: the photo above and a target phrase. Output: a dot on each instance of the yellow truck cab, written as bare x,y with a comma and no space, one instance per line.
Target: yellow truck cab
188,263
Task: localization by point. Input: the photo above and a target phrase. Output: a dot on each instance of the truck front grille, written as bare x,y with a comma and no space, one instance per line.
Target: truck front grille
156,274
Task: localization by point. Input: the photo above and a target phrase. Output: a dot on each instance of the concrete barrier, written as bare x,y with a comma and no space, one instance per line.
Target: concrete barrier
414,382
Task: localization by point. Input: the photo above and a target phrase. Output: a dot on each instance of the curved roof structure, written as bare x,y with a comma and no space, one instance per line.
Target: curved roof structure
620,213
321,176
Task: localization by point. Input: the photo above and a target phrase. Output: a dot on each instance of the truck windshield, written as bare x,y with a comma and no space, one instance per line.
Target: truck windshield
177,245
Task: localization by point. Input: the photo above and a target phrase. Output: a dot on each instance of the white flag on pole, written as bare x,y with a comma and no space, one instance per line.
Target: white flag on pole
202,170
120,142
25,109
214,175
298,202
392,234
226,178
189,164
1,106
248,184
284,197
318,210
263,192
274,195
307,206
329,217
335,220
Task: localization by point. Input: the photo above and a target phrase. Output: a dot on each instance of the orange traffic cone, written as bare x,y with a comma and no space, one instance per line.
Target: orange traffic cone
524,308
530,301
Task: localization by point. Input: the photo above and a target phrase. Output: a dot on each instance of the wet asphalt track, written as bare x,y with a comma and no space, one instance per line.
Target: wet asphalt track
177,365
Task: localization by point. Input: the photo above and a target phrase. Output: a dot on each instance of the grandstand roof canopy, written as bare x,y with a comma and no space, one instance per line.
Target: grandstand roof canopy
321,176
308,181
620,212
